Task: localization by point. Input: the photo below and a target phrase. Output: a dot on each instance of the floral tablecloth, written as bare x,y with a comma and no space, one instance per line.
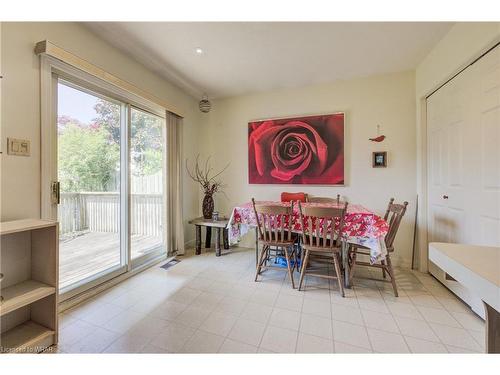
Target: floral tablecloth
362,226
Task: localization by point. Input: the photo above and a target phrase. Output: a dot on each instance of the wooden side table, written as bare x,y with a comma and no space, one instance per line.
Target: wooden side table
219,225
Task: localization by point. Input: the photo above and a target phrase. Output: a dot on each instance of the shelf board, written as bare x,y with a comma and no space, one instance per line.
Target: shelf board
26,335
8,227
23,294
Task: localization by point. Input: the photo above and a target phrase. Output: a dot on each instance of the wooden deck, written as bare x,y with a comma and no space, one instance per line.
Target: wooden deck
94,252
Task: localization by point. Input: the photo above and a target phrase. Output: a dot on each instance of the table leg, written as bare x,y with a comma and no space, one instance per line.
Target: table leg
492,329
225,238
208,237
345,263
198,239
217,242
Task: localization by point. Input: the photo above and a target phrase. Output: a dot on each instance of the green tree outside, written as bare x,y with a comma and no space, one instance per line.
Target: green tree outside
89,154
87,160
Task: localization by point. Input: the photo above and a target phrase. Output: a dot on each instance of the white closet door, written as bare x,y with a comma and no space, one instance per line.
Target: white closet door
448,122
486,158
463,119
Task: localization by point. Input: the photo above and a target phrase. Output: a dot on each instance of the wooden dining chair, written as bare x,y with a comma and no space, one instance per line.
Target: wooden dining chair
275,235
323,199
317,240
393,215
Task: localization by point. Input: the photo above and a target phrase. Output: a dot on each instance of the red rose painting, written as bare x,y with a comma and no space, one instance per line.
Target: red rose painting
302,150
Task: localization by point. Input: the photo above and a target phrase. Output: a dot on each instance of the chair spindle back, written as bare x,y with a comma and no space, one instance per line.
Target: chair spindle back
315,221
271,221
393,215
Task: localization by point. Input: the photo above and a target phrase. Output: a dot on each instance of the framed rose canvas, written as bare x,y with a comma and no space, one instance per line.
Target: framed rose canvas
299,150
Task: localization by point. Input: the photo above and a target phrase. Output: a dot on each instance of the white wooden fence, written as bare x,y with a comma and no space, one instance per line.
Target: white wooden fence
71,214
139,184
100,212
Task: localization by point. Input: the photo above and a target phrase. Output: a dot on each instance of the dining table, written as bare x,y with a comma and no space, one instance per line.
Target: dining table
362,227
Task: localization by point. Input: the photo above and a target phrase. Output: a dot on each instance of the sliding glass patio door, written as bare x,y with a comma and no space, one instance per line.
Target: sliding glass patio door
110,187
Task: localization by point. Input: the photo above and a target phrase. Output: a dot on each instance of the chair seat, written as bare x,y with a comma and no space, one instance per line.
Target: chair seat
366,250
360,249
323,247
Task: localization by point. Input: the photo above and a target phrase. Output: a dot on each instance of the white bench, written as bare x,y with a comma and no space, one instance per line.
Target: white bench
477,268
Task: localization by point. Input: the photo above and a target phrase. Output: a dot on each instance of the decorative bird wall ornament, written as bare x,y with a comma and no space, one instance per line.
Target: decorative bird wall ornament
379,137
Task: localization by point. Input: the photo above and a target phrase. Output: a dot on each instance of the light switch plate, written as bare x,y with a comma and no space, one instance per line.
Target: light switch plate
19,147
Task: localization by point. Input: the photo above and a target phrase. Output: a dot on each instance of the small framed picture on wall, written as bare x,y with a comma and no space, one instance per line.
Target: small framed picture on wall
379,159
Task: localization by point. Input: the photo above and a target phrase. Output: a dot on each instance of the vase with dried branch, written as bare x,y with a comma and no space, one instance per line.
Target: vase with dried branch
209,182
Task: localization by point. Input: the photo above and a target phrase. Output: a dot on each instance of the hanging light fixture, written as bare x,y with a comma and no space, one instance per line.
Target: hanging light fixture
205,104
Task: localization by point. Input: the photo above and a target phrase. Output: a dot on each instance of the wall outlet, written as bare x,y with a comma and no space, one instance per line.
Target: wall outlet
19,147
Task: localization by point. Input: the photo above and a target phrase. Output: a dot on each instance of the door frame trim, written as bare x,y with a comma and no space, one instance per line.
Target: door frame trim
48,148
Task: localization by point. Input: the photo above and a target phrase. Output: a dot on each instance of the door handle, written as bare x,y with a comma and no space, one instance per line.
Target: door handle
56,192
445,197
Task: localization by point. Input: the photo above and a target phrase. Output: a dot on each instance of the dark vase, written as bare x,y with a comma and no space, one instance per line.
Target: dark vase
208,206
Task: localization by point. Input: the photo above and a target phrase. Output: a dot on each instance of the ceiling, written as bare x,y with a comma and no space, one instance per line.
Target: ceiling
246,57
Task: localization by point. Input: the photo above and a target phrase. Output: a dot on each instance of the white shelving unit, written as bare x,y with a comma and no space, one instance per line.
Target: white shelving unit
29,258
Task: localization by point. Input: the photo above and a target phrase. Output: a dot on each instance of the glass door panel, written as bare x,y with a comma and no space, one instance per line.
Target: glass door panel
89,139
147,164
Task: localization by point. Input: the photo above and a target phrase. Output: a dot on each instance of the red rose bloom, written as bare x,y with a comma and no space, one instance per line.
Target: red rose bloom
305,150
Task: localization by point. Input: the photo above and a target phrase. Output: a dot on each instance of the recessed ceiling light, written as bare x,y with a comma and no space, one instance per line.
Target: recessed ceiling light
199,51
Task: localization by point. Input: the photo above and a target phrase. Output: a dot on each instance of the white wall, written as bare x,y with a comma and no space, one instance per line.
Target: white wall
388,100
20,176
463,43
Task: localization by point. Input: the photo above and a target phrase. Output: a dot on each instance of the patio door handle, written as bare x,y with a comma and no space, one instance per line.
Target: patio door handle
56,192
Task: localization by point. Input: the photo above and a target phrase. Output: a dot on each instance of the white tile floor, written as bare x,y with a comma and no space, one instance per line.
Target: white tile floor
206,304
